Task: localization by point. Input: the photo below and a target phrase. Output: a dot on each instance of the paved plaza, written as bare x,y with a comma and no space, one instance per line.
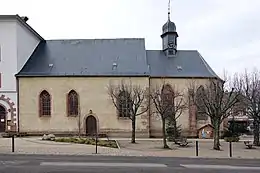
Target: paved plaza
144,147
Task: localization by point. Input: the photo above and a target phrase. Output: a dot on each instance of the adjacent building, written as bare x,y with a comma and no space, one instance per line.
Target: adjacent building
17,43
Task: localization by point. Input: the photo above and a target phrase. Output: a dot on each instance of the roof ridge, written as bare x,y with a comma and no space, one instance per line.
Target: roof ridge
177,50
75,39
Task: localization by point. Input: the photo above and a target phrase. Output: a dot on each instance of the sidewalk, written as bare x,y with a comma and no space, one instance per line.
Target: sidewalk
37,146
160,139
144,147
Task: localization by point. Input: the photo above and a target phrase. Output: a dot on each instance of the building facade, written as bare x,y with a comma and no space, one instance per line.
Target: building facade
17,42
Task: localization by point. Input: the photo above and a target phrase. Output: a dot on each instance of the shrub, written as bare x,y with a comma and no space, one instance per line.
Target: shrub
89,141
81,141
238,127
63,140
173,132
230,133
227,133
232,139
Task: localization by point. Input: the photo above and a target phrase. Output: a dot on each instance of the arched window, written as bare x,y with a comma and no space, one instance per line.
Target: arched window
45,103
124,104
201,107
168,99
73,103
167,94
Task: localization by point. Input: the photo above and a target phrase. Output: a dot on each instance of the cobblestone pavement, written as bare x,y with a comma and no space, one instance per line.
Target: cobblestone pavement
142,148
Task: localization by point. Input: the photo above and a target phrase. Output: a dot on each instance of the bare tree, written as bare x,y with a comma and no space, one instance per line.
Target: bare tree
128,99
249,84
79,121
169,103
218,100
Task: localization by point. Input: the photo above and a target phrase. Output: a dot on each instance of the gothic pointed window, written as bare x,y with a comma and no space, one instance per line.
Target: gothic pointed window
201,108
45,103
124,104
73,103
168,99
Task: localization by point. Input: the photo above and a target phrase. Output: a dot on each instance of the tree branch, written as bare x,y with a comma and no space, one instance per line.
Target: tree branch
132,96
168,101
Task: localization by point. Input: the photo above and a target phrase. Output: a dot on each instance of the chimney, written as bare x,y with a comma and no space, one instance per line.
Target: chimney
25,18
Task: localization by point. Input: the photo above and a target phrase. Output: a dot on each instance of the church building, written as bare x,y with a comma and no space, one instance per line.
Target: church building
53,86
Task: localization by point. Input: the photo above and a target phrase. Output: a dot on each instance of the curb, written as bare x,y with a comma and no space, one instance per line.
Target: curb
235,158
124,155
118,146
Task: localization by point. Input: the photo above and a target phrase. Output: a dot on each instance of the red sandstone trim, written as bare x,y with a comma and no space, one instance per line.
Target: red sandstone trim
12,110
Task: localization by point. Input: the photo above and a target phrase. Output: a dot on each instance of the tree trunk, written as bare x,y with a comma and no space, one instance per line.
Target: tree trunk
175,129
216,129
256,133
79,129
133,129
164,134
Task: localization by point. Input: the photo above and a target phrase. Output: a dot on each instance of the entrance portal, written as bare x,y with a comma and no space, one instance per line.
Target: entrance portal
91,125
2,118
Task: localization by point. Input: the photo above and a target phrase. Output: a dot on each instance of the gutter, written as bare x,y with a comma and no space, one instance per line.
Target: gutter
18,106
149,109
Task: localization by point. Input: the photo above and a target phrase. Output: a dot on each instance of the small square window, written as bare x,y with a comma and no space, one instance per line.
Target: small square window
171,52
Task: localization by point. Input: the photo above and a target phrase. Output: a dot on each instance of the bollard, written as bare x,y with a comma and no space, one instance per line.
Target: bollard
12,143
197,148
96,142
230,149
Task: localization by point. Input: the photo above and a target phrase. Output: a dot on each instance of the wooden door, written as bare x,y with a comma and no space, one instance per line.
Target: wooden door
91,125
2,118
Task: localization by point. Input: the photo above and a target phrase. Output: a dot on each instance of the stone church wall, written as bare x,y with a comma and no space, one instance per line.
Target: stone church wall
188,117
93,95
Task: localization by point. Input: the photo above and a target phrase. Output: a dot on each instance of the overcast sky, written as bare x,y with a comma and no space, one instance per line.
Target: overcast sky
225,32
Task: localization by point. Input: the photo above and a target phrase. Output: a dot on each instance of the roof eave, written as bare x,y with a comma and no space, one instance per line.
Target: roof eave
102,75
185,77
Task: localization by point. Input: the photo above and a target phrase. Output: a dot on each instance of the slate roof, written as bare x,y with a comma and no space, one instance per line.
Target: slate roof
112,57
187,63
169,26
89,57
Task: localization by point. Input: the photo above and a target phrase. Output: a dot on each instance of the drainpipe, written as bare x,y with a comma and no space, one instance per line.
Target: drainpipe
149,108
18,105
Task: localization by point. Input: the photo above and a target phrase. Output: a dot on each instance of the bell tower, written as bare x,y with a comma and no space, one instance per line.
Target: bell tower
169,36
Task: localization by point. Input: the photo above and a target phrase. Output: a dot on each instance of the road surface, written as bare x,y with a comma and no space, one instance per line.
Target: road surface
116,164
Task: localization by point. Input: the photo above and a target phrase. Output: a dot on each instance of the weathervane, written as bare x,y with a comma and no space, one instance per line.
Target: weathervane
169,9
